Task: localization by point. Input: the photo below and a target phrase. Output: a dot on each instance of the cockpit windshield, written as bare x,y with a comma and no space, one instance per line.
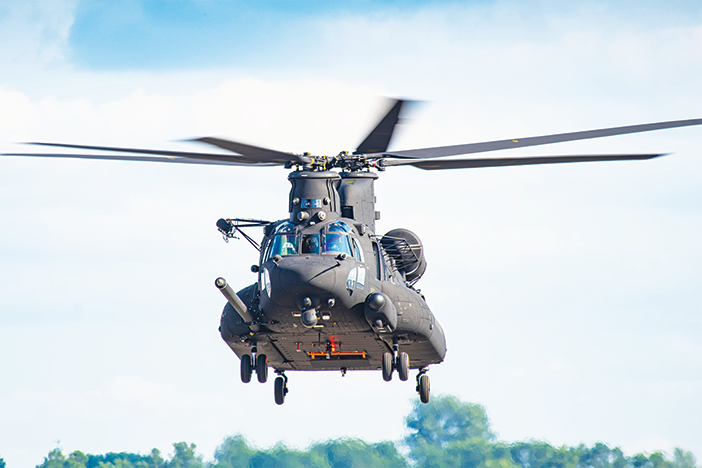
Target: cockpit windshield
336,244
310,244
336,239
333,240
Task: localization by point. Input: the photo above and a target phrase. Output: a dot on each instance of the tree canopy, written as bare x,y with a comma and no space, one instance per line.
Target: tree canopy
444,433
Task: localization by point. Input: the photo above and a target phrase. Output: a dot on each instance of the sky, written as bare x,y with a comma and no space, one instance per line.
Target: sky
570,295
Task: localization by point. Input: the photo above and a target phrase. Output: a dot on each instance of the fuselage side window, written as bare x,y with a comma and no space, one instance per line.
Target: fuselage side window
378,261
359,250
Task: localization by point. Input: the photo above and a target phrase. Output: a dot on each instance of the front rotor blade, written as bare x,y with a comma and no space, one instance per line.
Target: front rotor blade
379,138
470,148
163,159
495,162
241,160
254,153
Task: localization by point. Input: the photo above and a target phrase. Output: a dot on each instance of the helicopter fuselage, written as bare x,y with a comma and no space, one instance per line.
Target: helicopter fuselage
328,295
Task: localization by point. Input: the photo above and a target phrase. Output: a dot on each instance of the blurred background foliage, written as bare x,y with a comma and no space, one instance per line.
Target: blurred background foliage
444,433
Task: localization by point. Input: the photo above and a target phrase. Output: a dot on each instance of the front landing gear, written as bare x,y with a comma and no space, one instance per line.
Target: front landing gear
402,365
423,387
281,387
254,362
246,369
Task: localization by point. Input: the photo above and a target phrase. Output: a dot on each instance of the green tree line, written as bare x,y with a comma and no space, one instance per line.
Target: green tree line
444,433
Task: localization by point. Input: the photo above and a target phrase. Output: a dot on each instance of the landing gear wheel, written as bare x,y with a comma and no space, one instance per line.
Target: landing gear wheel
423,388
262,368
280,390
387,367
246,368
403,366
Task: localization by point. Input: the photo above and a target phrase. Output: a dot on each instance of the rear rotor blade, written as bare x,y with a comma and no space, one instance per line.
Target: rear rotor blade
495,162
470,148
255,153
379,138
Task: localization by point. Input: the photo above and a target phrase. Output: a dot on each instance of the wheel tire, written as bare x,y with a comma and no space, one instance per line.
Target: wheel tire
424,388
262,368
246,368
403,366
279,390
387,367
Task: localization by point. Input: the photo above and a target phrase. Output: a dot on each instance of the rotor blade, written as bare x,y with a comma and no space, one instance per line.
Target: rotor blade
254,153
184,154
165,159
378,140
440,151
495,162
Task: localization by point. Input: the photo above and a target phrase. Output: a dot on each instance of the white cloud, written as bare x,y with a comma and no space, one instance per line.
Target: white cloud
35,32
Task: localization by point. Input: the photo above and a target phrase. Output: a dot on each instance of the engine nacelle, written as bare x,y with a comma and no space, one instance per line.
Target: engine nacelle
406,249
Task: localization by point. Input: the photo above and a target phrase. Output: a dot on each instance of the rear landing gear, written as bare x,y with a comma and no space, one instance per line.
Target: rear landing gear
423,385
387,367
262,368
281,387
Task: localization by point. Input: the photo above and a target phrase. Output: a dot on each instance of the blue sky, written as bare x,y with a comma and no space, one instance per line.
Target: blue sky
570,295
218,34
213,34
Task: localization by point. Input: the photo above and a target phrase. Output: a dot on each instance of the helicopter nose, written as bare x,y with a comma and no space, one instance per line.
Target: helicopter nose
300,282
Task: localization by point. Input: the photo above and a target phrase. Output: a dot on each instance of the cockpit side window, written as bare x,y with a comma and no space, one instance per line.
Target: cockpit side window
283,244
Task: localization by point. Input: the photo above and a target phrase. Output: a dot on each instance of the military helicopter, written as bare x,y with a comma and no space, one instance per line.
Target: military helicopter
331,294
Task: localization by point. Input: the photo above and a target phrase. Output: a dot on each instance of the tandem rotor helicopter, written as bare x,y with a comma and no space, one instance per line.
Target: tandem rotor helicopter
331,294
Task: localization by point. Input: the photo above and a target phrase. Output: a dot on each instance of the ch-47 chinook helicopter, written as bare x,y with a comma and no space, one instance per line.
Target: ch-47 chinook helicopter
331,294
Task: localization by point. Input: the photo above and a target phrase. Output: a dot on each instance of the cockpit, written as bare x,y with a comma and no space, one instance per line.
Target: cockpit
332,239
